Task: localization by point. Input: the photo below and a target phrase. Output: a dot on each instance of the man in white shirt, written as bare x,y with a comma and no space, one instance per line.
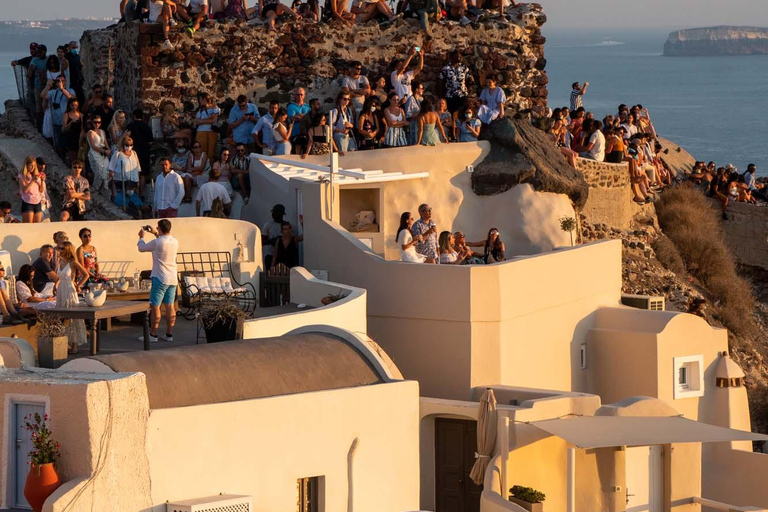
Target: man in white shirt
596,144
358,85
209,192
270,232
169,191
264,127
401,79
164,279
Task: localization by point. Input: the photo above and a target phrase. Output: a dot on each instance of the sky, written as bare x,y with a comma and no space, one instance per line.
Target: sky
577,14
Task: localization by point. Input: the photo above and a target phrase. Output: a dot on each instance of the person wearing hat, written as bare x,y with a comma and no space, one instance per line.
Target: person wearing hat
24,63
270,233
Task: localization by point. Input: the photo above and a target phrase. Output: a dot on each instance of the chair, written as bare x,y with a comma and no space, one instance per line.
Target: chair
275,286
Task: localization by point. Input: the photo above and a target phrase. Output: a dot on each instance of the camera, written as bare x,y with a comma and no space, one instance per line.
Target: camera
56,106
147,228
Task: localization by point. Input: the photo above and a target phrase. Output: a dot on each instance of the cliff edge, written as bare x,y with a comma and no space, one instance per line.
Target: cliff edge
723,40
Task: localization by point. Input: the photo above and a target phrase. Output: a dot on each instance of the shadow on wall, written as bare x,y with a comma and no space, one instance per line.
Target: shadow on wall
11,244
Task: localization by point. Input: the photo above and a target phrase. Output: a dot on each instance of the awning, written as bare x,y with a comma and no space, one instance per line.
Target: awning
608,431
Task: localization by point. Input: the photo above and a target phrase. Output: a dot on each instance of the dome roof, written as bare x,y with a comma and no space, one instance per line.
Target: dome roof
246,369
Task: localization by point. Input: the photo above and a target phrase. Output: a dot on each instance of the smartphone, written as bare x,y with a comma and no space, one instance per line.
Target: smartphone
417,48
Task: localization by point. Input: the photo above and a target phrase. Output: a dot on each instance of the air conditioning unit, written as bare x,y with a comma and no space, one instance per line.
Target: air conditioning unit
652,303
220,503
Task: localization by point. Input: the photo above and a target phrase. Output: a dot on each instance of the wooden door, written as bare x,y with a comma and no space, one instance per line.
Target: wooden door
23,445
455,446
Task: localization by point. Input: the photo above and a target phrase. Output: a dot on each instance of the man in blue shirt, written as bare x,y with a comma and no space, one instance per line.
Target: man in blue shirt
262,132
55,97
242,119
297,109
36,75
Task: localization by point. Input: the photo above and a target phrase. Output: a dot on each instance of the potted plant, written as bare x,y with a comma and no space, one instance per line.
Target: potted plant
528,498
42,479
568,224
222,320
51,341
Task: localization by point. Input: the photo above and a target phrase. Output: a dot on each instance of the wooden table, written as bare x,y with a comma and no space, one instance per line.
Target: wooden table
110,309
114,295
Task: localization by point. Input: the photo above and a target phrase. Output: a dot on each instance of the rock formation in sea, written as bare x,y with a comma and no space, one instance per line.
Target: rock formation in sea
723,40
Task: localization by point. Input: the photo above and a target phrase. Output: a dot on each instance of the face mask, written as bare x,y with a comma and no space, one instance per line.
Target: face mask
74,51
468,115
127,148
180,150
373,108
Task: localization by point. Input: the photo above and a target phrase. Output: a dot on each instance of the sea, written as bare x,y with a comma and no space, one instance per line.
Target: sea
715,107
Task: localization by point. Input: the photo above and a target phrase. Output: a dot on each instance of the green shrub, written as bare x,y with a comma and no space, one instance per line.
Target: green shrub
527,494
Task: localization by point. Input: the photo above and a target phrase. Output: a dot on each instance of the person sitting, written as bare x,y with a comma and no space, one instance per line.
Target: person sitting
209,192
271,9
200,165
239,165
366,10
461,246
446,119
595,143
457,11
169,122
286,249
76,193
181,163
557,134
88,258
337,10
5,214
406,242
755,188
395,123
494,249
161,12
449,255
492,101
133,203
467,126
194,14
26,293
615,151
45,276
10,313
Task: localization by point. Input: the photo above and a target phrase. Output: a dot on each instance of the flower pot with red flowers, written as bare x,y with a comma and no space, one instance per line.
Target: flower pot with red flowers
42,479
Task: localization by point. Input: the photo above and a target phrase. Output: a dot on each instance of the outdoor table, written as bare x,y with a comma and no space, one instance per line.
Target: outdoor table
110,309
114,295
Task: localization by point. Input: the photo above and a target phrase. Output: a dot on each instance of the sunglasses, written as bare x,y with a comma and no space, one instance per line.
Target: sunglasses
77,167
344,99
97,122
87,235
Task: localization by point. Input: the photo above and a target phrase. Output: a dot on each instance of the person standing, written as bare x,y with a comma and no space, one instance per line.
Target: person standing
32,191
36,75
75,70
56,96
141,134
297,109
262,132
454,79
426,229
577,91
210,192
164,279
169,191
43,267
67,290
401,78
358,85
242,119
271,231
206,117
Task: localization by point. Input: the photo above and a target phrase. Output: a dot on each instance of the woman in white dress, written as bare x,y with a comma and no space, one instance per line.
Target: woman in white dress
66,292
280,132
406,242
98,155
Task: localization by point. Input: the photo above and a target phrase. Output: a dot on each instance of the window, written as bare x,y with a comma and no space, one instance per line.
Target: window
583,356
310,494
689,376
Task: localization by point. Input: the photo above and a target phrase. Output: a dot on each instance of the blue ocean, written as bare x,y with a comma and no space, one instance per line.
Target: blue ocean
715,107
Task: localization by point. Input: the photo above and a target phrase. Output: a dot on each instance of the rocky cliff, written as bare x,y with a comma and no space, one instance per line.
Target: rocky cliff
231,58
717,41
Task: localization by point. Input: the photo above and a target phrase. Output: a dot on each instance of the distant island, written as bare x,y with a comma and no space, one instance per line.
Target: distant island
723,40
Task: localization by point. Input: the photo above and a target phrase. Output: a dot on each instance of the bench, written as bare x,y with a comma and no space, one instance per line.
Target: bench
205,276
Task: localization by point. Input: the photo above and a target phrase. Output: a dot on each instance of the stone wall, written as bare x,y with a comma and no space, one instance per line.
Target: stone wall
230,58
746,233
610,196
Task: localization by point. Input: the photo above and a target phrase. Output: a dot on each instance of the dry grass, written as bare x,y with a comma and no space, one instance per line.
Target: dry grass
692,225
668,255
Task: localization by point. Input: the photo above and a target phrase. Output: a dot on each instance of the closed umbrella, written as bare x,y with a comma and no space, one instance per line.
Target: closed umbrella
486,436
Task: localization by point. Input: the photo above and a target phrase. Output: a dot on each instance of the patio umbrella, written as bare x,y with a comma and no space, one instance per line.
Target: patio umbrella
486,436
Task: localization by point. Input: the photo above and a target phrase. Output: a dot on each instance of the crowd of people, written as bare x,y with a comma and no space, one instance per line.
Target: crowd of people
726,184
54,279
628,136
419,242
385,112
193,15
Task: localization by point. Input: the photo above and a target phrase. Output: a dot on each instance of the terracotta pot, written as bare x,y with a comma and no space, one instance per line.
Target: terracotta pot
41,482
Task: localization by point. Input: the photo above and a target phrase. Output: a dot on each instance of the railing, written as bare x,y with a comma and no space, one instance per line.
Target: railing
723,506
